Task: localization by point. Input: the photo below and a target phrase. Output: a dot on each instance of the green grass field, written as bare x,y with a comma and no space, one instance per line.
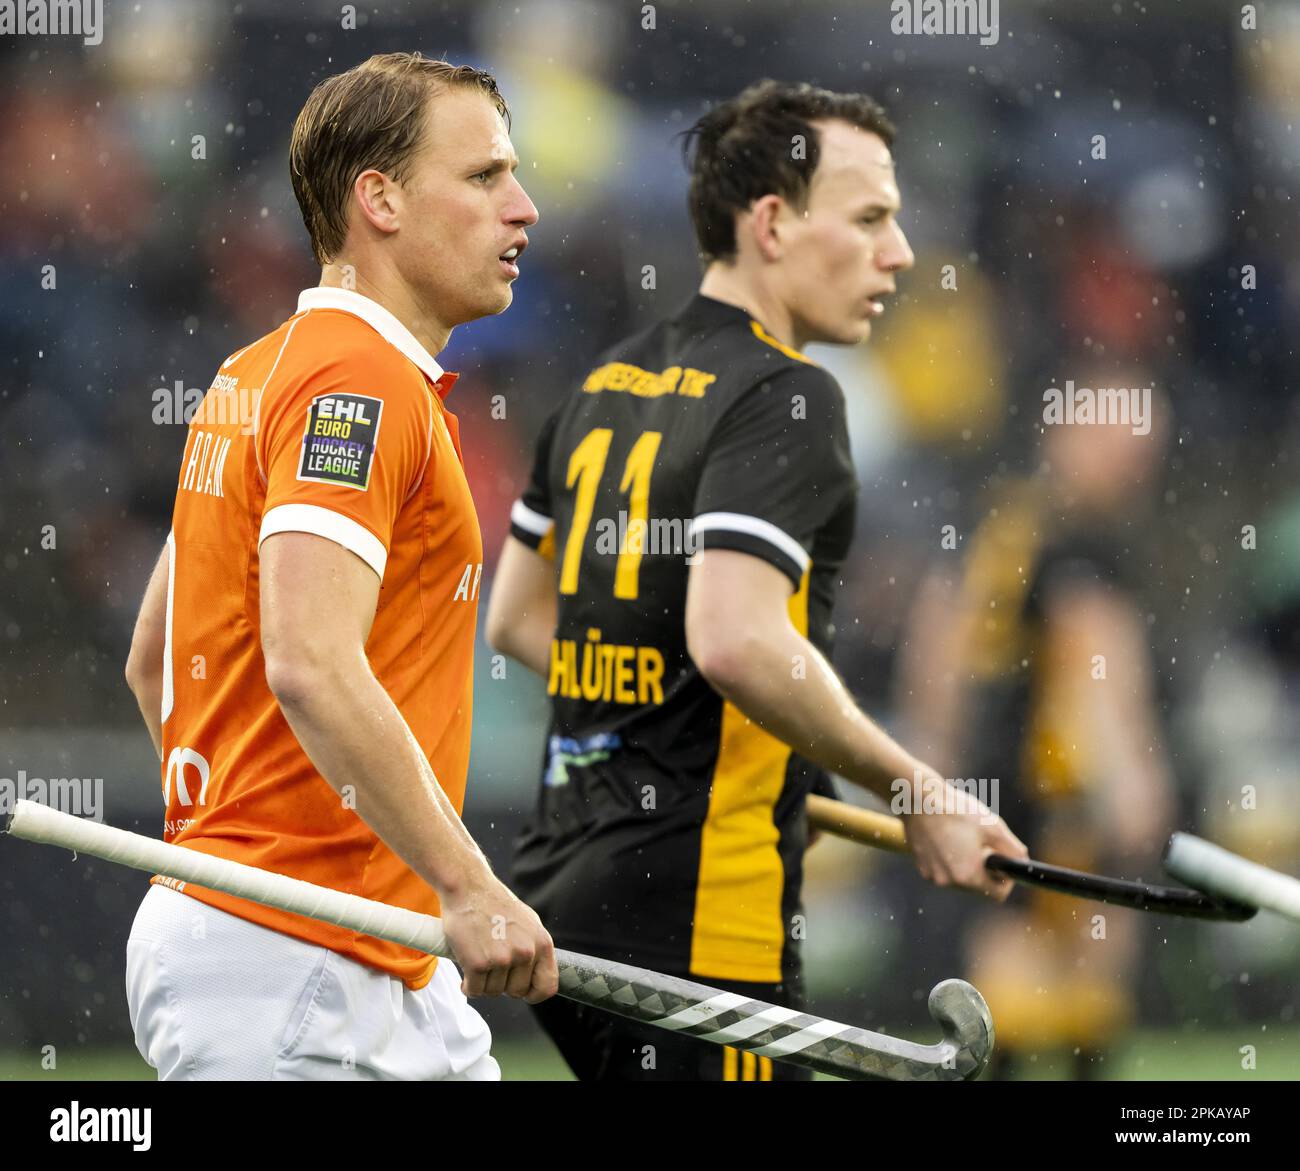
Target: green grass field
1148,1056
520,1062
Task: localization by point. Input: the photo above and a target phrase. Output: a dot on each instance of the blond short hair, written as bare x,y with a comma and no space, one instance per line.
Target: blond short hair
372,116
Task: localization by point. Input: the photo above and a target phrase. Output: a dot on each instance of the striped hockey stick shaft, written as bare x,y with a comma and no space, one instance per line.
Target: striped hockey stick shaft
652,998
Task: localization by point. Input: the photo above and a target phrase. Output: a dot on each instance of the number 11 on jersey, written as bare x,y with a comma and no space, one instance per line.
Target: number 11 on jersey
586,465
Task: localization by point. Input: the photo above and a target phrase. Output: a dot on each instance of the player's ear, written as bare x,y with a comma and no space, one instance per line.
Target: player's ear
379,199
765,220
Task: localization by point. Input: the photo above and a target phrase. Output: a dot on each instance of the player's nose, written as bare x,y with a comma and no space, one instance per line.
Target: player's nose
520,209
896,255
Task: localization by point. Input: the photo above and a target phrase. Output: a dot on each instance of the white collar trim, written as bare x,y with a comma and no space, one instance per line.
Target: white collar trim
377,317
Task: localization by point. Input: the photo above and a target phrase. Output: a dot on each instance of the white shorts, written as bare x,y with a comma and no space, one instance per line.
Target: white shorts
216,998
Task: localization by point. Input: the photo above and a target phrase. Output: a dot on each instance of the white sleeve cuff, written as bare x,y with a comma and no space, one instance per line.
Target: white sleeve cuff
530,520
753,526
333,526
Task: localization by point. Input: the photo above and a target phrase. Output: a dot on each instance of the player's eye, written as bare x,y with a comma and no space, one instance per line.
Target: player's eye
482,177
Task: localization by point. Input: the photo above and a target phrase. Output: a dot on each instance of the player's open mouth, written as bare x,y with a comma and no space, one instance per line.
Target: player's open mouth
877,303
509,260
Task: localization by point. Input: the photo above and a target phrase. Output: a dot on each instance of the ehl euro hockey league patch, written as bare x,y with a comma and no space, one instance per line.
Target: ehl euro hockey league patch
339,444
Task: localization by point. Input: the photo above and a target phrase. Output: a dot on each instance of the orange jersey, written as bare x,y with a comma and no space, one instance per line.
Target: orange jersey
334,425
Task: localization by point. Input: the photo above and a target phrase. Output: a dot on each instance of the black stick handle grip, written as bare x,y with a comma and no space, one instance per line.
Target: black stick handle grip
1120,892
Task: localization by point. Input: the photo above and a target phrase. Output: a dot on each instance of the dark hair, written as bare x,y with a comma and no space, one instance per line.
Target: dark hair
743,149
374,115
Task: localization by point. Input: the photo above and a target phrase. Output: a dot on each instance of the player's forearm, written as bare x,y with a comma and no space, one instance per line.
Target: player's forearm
144,663
148,694
786,686
1128,758
522,610
528,640
1114,713
359,742
928,691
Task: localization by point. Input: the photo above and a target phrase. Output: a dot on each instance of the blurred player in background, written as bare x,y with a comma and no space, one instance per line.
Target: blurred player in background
1034,667
303,656
671,572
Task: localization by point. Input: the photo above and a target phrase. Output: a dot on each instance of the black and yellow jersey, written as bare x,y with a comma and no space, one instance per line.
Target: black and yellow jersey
670,830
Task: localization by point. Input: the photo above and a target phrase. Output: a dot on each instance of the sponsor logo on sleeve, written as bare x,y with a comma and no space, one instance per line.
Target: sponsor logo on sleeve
339,444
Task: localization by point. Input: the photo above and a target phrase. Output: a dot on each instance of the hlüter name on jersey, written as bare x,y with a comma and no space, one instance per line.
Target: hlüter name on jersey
688,383
607,672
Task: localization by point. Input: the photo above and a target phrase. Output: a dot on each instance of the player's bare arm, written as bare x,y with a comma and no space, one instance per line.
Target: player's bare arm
1117,721
741,638
927,689
357,739
144,664
522,610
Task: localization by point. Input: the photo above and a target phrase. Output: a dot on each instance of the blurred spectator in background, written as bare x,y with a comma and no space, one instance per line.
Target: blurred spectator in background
1033,667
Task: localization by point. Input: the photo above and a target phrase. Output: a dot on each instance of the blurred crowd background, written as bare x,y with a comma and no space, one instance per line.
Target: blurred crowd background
1172,262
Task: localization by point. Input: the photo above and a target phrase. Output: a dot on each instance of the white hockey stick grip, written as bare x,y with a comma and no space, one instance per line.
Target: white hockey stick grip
1218,871
39,823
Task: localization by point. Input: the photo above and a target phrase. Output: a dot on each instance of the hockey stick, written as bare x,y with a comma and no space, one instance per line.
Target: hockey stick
1212,868
879,829
666,1002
